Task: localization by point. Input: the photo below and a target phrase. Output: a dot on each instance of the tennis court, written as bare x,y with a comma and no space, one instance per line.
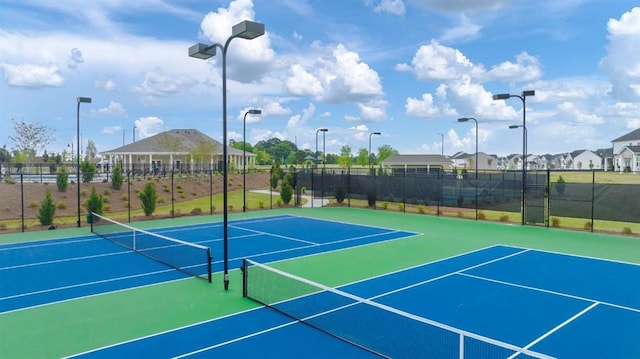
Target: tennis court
92,265
477,288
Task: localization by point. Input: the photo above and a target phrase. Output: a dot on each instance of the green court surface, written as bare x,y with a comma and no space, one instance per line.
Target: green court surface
74,326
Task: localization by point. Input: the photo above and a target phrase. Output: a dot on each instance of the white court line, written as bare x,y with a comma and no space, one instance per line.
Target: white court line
578,256
275,235
65,260
85,284
558,327
585,299
35,244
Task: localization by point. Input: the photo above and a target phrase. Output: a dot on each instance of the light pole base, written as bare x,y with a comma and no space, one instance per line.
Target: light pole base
226,282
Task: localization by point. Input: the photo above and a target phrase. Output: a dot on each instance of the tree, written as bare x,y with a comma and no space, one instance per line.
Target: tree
238,145
149,198
30,138
203,152
5,156
262,157
276,175
345,156
62,180
88,171
94,204
91,152
277,149
286,190
47,210
363,157
386,151
117,177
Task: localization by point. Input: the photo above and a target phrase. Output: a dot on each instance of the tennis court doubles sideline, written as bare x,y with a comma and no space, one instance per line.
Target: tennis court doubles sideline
498,302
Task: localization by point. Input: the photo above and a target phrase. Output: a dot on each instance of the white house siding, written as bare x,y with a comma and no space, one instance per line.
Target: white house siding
587,160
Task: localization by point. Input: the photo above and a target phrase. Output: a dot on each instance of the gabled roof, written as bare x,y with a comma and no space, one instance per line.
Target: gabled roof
633,135
179,141
634,149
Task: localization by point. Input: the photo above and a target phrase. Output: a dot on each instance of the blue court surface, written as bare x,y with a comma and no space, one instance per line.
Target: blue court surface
43,272
497,302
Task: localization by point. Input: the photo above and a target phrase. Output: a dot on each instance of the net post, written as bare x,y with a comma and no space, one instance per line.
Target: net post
209,261
245,275
92,220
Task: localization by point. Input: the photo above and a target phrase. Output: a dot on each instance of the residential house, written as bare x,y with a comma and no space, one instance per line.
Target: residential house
462,160
583,160
625,152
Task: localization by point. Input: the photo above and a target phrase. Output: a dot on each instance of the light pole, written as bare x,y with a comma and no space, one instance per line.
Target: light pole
371,134
134,133
79,100
323,130
315,161
467,119
246,30
71,145
523,97
442,143
244,159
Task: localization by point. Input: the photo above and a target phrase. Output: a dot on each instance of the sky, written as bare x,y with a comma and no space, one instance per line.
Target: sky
406,68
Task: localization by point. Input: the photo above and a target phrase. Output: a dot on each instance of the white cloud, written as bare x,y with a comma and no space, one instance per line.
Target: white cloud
149,126
571,111
115,108
157,83
75,59
109,130
296,35
361,127
423,107
622,62
435,62
302,83
107,85
394,7
274,108
252,59
466,30
526,68
298,121
28,75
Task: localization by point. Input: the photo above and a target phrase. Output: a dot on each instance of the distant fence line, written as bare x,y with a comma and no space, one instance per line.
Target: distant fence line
487,191
491,190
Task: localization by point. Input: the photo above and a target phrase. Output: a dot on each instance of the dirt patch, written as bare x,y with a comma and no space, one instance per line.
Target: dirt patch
185,188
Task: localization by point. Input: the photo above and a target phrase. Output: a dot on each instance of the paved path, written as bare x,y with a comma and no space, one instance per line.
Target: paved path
317,202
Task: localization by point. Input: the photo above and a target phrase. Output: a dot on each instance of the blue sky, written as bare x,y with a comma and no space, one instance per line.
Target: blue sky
406,68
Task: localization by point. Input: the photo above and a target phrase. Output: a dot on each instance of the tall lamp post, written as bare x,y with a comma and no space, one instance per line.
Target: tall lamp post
244,158
245,30
442,143
467,119
523,97
79,100
315,161
134,134
323,130
371,134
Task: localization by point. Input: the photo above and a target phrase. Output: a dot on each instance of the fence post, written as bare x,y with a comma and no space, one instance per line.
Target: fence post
593,195
22,200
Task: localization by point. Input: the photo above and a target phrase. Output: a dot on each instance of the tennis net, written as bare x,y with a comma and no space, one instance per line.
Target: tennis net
377,328
190,258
